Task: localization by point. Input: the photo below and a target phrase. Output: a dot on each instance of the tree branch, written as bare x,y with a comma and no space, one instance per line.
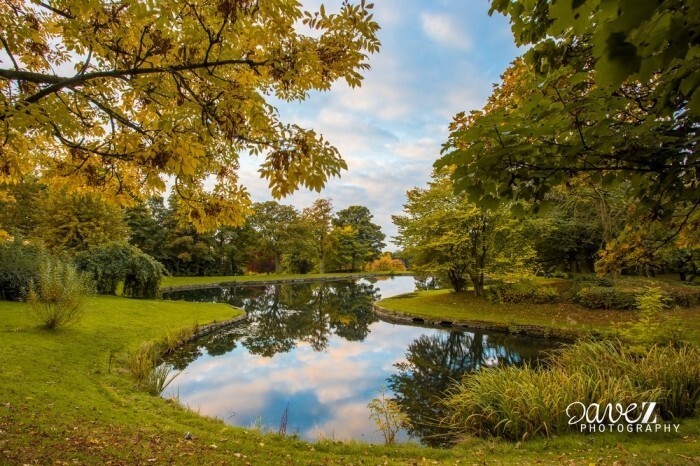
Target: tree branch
9,54
58,82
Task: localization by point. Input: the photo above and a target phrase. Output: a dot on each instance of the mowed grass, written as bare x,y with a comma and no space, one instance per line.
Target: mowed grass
448,305
65,400
182,281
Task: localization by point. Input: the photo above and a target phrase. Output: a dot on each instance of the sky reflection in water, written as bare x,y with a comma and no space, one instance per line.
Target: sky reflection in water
319,350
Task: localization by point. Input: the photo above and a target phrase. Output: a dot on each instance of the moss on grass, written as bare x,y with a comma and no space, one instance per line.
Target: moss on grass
65,399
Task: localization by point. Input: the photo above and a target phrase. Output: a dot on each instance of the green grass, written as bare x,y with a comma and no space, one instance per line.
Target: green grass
183,281
447,305
64,398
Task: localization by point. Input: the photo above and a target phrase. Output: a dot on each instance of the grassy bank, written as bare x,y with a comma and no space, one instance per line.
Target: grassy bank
445,304
64,399
183,281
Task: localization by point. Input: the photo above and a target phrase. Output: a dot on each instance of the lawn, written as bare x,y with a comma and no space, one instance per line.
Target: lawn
445,304
64,399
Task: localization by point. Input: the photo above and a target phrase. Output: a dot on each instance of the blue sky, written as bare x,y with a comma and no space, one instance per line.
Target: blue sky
437,58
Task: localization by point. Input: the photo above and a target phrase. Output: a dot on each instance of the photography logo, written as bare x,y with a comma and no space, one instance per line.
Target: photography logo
635,417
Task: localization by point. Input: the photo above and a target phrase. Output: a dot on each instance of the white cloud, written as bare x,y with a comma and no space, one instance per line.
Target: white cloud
445,30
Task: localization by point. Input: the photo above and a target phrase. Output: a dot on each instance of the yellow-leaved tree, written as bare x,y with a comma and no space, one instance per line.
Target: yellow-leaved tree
117,96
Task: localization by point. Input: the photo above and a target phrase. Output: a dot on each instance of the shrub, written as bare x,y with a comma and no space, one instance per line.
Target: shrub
385,263
517,402
388,417
107,265
522,290
59,296
143,276
121,262
626,292
590,279
19,266
145,366
598,297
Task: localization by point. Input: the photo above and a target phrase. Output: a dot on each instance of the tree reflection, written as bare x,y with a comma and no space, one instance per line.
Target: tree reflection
435,362
279,317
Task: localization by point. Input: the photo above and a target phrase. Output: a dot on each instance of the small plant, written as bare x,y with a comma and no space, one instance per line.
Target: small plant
387,415
59,296
175,338
144,366
140,363
651,327
159,378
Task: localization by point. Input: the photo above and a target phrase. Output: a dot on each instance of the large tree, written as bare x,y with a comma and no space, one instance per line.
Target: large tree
608,90
360,241
449,235
73,222
320,217
276,226
117,96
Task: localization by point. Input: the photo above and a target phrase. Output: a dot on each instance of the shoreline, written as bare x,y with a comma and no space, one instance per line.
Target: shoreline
275,281
536,331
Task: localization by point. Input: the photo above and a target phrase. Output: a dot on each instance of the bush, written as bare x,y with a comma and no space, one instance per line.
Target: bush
19,266
516,402
143,277
522,290
385,263
59,296
597,297
626,292
121,262
106,264
590,279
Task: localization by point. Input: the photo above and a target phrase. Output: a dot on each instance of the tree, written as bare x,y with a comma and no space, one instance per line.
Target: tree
541,128
172,89
274,224
629,41
76,222
320,218
146,226
360,240
232,246
21,208
446,233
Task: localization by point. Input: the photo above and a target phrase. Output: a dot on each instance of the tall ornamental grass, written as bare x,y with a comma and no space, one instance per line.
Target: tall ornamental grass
516,403
60,294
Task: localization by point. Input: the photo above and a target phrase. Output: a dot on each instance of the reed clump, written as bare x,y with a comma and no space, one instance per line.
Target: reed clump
516,403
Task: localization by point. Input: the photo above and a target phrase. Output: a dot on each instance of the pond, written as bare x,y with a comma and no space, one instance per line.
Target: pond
310,357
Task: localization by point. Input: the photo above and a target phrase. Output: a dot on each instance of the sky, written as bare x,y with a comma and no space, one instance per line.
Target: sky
438,58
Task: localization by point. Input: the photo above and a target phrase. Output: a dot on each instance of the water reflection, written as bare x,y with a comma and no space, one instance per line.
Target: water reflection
434,362
280,317
319,349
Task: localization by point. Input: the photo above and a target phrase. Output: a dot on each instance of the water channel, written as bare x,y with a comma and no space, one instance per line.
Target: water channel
310,357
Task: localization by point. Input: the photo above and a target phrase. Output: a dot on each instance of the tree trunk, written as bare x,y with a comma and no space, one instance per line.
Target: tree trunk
277,262
457,280
478,284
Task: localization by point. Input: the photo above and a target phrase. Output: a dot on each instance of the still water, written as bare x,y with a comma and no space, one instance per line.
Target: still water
310,357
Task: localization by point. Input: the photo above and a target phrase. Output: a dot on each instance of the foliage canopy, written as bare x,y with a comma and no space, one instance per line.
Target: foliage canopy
117,96
608,91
